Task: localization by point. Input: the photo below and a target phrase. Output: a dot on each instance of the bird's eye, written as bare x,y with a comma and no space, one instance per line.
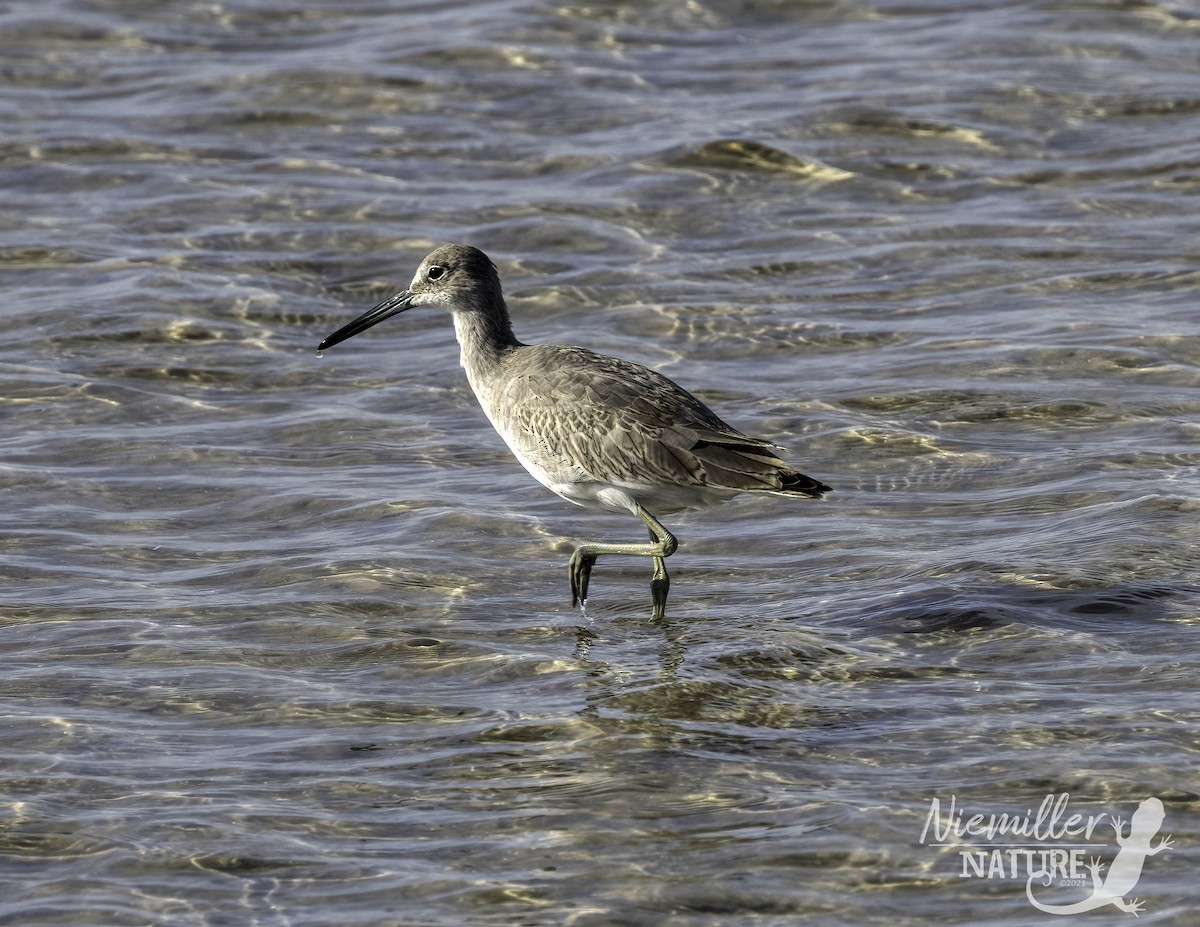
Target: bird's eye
436,272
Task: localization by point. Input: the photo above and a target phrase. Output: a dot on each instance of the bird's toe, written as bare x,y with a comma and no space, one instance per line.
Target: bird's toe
581,572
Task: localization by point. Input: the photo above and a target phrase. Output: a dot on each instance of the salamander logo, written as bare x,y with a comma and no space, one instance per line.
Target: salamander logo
1047,848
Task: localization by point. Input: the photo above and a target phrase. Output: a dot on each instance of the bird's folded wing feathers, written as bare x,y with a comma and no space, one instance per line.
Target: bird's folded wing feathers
654,431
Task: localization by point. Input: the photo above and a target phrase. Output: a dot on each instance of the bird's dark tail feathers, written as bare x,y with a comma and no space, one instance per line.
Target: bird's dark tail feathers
800,484
748,464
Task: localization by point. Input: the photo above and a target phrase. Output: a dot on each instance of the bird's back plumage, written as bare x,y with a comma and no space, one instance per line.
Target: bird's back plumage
583,417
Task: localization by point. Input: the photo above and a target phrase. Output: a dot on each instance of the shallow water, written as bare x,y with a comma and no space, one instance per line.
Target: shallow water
288,639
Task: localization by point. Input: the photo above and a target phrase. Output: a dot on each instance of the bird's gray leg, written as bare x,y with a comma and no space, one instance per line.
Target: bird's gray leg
662,545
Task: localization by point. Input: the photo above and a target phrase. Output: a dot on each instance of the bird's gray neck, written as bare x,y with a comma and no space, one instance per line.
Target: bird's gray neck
484,340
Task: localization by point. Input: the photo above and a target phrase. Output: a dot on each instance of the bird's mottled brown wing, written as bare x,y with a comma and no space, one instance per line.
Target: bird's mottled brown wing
618,422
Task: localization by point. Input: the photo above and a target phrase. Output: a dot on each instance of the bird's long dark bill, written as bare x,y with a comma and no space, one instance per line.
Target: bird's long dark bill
385,310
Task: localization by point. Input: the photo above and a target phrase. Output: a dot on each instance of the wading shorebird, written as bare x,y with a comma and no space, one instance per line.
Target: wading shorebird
599,431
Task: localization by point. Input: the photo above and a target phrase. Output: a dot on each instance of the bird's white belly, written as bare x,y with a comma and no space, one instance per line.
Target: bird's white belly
572,483
578,487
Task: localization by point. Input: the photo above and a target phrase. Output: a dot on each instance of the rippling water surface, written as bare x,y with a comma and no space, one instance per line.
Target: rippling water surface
288,639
